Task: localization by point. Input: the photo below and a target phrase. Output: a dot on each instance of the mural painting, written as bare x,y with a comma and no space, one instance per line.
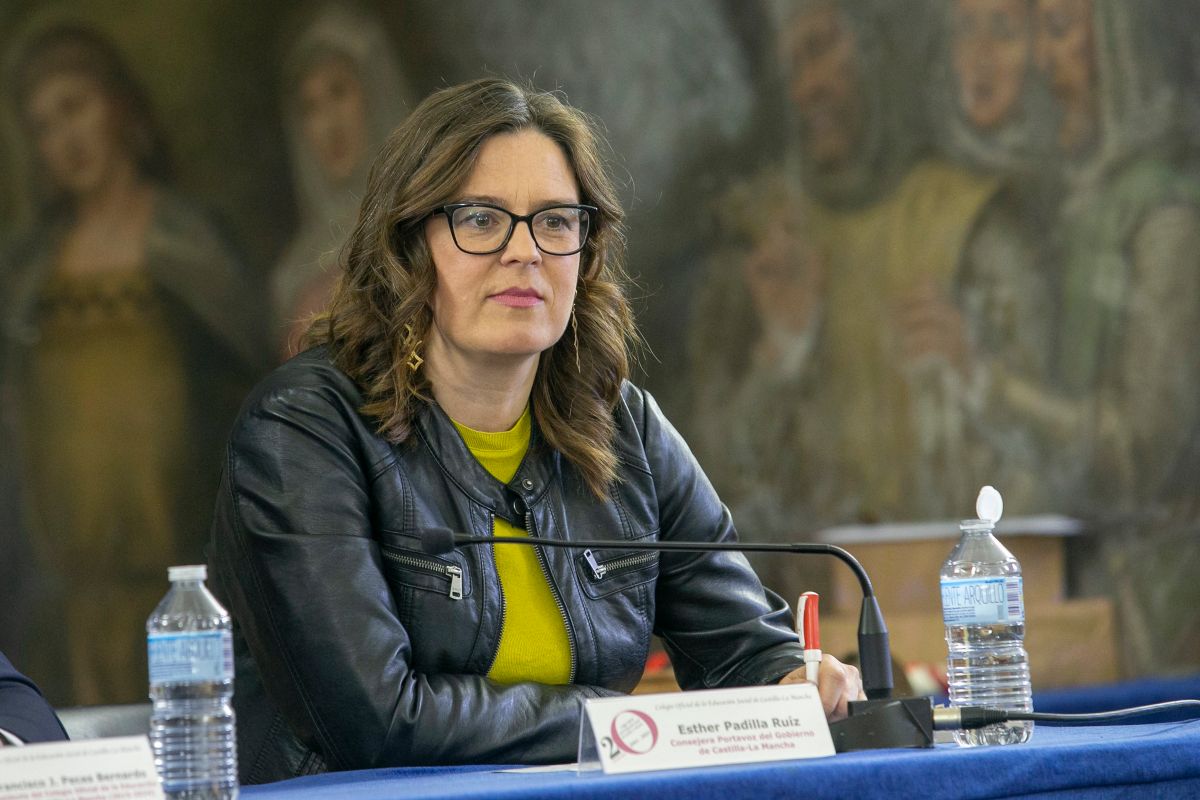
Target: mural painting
129,330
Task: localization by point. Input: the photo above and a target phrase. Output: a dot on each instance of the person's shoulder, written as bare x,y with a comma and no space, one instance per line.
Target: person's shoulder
1154,180
631,407
639,401
937,183
24,712
640,422
189,229
176,212
631,393
940,172
33,241
307,383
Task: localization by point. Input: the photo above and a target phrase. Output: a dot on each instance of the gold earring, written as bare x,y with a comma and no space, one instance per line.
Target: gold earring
414,361
575,334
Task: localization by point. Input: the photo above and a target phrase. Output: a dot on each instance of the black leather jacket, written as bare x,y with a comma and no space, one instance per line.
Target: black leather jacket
354,649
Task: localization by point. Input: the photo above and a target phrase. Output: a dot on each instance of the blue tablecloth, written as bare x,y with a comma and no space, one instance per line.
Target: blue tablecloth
1132,761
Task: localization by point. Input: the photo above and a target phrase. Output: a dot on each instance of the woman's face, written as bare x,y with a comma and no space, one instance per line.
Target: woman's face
991,56
333,116
1063,36
77,131
514,303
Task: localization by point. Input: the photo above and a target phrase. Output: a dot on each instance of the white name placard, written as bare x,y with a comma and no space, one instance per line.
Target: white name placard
109,769
707,728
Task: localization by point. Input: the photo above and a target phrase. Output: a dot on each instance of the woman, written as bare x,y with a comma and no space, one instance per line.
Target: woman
343,93
471,375
126,309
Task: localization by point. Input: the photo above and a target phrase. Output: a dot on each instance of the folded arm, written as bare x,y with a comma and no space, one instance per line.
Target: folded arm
293,538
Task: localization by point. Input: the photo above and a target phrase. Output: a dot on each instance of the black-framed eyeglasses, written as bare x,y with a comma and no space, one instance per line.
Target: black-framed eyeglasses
483,228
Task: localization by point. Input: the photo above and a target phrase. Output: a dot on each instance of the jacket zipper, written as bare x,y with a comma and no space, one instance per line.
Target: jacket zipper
600,569
451,571
503,603
562,609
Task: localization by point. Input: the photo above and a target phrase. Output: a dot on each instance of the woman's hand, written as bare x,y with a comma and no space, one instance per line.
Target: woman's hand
837,684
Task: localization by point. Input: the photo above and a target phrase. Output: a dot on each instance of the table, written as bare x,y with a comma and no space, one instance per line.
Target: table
1160,760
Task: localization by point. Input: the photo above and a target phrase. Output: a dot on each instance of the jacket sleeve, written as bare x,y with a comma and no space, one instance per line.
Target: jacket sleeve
24,713
720,626
294,553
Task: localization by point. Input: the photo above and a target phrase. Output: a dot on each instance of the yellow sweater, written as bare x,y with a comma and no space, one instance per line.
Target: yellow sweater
533,637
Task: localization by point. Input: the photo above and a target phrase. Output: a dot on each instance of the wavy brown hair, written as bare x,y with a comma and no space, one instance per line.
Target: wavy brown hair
380,307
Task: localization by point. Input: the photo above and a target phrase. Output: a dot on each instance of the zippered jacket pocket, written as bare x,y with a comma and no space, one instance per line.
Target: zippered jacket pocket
420,571
604,572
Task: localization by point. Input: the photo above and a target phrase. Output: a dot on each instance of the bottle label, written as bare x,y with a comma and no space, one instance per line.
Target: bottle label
983,601
190,657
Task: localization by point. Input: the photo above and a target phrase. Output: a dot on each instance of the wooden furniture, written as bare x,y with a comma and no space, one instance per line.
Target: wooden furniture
1070,641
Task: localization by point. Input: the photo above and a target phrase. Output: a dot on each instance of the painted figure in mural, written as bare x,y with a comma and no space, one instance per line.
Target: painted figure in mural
998,108
129,334
1128,229
1127,237
991,113
343,93
757,414
894,228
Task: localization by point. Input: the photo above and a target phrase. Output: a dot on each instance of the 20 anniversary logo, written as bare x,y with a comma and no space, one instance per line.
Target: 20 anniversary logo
634,732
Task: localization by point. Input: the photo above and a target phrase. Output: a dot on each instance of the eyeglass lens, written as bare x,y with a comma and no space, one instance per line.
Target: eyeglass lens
556,231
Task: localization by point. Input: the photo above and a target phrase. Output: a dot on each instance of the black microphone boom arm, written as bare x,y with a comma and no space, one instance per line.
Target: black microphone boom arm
874,650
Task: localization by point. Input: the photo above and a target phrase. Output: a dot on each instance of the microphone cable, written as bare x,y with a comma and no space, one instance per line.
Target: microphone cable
970,717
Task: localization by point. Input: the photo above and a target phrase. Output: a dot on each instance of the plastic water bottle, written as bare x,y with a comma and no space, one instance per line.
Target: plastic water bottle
984,613
191,684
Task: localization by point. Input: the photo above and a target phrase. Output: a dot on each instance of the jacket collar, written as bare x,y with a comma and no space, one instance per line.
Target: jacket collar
531,481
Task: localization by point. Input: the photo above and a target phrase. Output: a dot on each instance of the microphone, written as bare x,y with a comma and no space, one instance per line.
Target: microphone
874,651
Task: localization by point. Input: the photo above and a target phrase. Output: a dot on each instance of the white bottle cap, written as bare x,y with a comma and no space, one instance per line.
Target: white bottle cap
989,506
191,572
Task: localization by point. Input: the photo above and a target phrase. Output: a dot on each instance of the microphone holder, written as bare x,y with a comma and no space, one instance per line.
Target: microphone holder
883,723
